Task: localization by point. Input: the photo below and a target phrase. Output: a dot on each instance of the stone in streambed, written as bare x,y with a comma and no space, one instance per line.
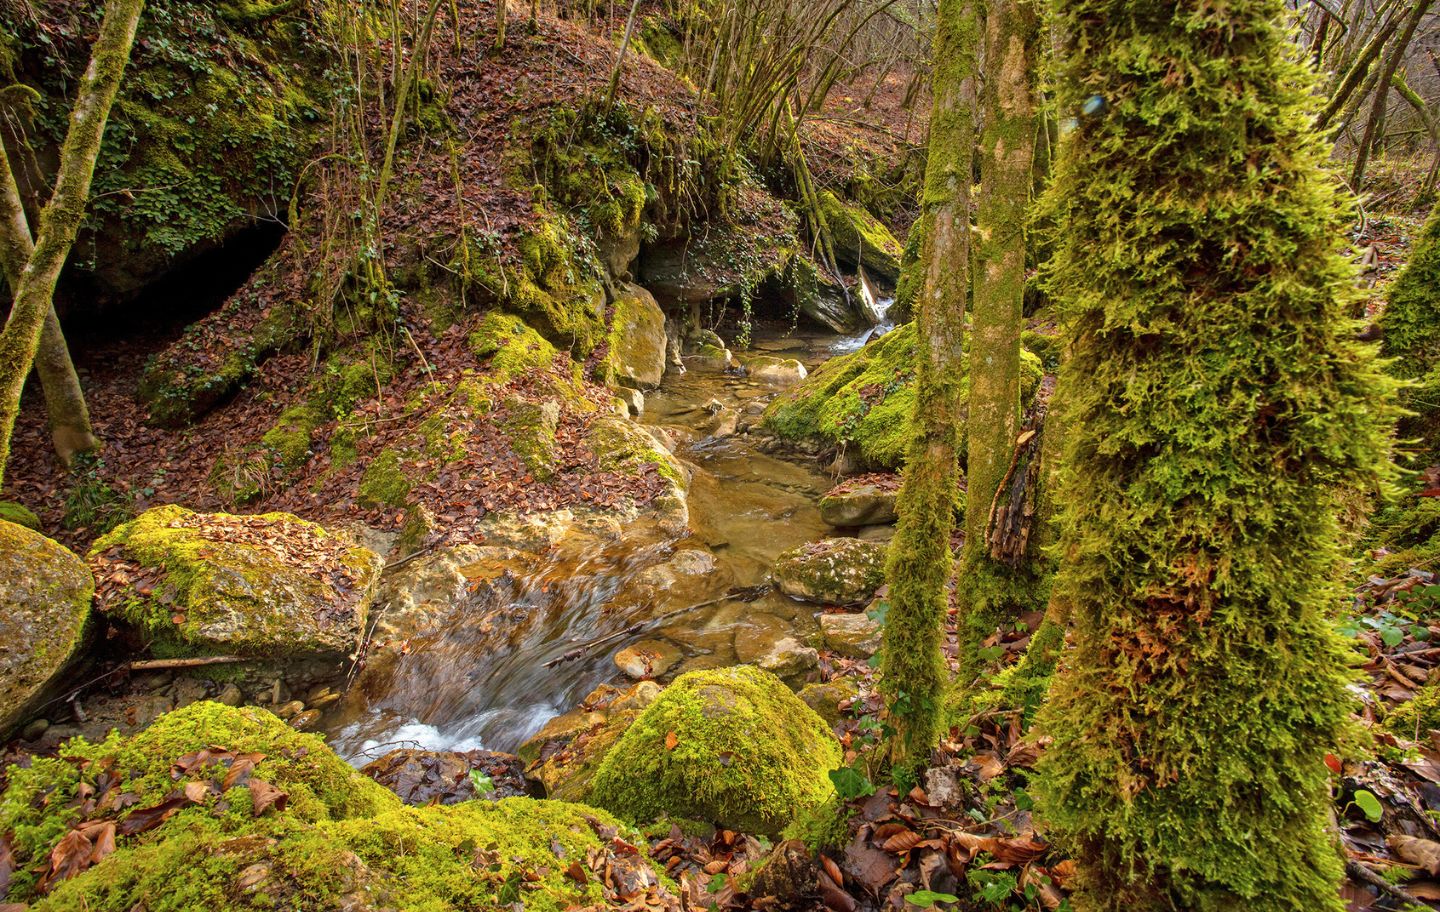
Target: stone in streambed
856,636
767,642
649,658
860,505
775,371
833,571
637,339
45,593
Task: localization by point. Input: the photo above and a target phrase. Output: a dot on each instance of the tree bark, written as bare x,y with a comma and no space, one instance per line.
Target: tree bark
1382,92
69,418
920,565
988,588
60,219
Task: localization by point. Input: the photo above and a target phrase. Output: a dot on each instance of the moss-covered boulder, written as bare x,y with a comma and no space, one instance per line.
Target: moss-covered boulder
833,571
732,746
45,594
263,585
864,400
19,514
637,339
220,808
566,753
864,502
861,239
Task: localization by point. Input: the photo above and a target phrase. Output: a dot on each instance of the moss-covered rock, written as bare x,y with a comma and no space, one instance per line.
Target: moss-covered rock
733,746
833,571
338,840
565,755
266,585
861,239
19,514
865,399
530,427
637,339
45,594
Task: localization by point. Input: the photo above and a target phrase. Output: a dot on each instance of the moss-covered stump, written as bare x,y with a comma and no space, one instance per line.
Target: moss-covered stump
219,808
861,239
732,746
833,571
45,594
268,585
864,400
637,339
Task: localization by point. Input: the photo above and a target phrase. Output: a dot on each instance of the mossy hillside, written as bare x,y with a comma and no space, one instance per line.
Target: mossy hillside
1219,413
861,238
340,838
1411,320
732,746
234,584
217,114
865,399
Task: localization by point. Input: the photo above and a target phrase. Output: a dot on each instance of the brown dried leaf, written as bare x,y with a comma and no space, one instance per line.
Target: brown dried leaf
903,842
577,873
70,856
104,842
1422,852
832,869
672,740
197,792
264,796
146,819
835,899
7,862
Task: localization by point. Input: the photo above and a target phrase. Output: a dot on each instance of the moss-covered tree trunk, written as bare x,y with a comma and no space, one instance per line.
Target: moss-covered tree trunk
69,417
913,672
61,217
1218,406
989,588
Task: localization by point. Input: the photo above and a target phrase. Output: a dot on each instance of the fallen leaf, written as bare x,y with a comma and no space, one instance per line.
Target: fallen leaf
1422,852
901,843
7,862
264,796
70,857
577,873
672,740
145,819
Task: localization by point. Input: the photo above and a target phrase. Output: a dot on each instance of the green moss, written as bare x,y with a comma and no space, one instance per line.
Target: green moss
19,514
384,483
747,754
621,446
215,581
1410,533
655,39
289,438
1415,718
340,839
912,273
865,399
822,826
861,238
530,427
1411,320
514,349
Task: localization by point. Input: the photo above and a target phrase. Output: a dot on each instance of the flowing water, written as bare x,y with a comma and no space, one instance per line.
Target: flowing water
480,680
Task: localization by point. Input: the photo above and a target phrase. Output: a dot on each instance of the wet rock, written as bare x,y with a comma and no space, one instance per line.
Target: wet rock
775,371
45,593
833,571
855,636
711,358
448,777
733,746
230,695
766,641
618,249
35,730
269,586
789,659
637,339
878,534
826,698
860,238
859,505
648,658
633,400
290,710
305,721
187,690
564,756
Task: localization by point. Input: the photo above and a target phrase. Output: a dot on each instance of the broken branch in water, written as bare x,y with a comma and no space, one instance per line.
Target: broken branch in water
745,594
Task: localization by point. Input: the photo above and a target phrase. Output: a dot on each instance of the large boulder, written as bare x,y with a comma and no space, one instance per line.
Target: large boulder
637,339
833,571
732,746
45,594
220,808
268,585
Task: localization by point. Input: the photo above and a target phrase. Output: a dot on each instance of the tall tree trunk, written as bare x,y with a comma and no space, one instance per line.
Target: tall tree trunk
69,418
61,217
501,11
990,589
913,673
1218,411
1382,92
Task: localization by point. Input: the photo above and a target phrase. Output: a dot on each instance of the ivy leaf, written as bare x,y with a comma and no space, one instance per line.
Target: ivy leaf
927,898
1392,636
484,785
1370,805
849,783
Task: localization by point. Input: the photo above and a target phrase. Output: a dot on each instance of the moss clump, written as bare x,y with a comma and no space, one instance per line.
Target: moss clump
1218,411
622,446
384,483
514,349
912,274
1411,320
745,753
19,514
1415,718
1411,534
822,826
861,238
530,428
263,585
340,841
865,399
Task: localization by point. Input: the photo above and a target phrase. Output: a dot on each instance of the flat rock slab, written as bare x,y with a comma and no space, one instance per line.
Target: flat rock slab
855,636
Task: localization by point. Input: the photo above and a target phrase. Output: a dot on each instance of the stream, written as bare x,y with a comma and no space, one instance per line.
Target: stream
480,680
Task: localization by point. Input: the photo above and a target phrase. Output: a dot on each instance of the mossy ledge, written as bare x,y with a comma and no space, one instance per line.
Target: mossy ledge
338,841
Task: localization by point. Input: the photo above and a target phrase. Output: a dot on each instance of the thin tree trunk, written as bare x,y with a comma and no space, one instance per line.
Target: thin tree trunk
913,673
988,588
1353,76
620,59
500,14
69,418
1382,92
60,220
